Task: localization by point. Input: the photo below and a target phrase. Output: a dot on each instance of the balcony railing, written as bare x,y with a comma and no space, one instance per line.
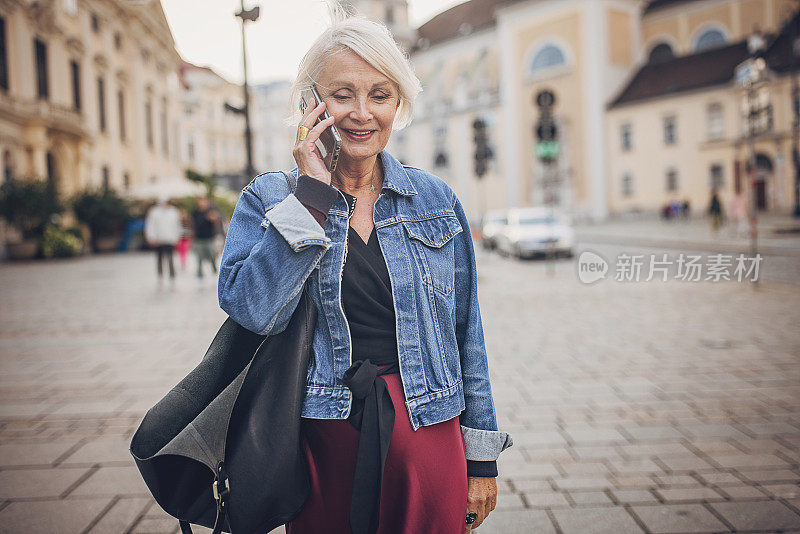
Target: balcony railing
50,114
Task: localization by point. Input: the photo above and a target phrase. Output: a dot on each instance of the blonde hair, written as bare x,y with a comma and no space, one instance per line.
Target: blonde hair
373,43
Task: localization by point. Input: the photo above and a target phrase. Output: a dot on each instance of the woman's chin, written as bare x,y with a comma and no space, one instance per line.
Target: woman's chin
356,153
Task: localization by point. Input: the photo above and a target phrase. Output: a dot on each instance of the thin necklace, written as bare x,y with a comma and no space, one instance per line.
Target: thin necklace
372,185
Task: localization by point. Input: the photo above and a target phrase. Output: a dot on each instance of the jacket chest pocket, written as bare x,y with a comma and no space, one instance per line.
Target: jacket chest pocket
431,241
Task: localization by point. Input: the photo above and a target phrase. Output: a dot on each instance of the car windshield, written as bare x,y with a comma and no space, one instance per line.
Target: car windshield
533,221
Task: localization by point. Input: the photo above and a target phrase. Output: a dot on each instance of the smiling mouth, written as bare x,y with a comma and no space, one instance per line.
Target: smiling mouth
359,133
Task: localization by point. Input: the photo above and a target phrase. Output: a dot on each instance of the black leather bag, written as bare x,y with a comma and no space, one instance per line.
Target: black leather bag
222,448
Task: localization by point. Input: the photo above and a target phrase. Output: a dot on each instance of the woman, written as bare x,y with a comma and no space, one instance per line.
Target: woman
398,349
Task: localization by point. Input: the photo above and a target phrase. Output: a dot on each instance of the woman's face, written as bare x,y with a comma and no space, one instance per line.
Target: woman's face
362,101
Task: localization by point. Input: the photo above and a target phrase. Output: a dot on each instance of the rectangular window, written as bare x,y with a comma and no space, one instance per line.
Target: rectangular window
121,112
672,180
164,137
75,69
148,121
3,56
625,137
106,178
126,181
101,103
627,185
40,51
670,133
716,125
95,23
717,177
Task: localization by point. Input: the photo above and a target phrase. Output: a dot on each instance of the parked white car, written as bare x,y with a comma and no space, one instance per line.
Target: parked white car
493,223
535,231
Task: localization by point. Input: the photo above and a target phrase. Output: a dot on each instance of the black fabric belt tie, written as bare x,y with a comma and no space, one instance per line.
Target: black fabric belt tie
372,413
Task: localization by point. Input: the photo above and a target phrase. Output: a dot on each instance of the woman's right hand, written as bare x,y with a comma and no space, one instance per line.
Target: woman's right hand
306,154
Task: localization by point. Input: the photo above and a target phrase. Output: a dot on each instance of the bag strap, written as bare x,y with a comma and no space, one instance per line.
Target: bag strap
221,487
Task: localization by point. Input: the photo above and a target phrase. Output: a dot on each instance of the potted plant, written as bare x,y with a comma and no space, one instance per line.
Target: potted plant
27,205
105,213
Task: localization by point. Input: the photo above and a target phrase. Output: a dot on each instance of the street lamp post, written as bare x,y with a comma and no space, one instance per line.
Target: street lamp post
794,45
247,16
751,76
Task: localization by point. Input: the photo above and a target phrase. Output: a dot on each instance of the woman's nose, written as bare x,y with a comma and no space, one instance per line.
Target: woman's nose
361,111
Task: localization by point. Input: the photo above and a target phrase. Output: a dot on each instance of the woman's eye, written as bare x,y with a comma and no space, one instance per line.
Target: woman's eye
340,97
381,97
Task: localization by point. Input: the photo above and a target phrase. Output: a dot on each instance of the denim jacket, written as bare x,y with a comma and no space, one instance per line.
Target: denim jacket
274,245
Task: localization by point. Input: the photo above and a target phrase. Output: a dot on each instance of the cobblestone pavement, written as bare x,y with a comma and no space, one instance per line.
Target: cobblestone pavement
659,407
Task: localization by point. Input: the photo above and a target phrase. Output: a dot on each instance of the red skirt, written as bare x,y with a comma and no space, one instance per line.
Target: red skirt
424,485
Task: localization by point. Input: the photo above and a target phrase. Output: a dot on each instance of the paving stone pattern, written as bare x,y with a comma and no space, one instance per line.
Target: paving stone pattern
657,407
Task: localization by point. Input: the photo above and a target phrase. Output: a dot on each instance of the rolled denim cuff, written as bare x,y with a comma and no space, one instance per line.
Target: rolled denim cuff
485,445
297,226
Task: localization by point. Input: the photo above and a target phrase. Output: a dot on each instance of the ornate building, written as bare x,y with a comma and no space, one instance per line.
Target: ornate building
680,127
626,75
82,101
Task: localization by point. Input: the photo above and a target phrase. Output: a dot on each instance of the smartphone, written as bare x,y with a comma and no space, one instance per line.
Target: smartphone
330,142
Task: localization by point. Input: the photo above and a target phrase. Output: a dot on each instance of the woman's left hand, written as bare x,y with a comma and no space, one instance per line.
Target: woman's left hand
481,498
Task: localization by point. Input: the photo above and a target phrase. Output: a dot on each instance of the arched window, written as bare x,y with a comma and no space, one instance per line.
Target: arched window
661,52
548,57
711,38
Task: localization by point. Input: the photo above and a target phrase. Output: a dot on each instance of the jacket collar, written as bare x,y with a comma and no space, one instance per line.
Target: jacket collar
395,176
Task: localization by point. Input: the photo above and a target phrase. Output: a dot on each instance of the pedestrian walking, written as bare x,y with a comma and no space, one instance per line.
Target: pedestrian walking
206,220
388,253
185,241
162,228
715,211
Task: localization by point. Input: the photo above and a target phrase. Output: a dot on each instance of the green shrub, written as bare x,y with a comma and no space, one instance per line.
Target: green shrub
76,231
60,243
105,212
28,205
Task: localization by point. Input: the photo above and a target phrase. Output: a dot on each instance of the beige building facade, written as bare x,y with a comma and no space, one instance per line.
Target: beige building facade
212,137
89,94
273,138
678,141
488,59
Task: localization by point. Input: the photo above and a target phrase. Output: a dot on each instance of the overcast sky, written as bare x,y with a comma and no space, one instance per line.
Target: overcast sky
207,33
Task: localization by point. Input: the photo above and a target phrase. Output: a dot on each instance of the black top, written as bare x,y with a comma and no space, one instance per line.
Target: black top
204,227
367,300
367,294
